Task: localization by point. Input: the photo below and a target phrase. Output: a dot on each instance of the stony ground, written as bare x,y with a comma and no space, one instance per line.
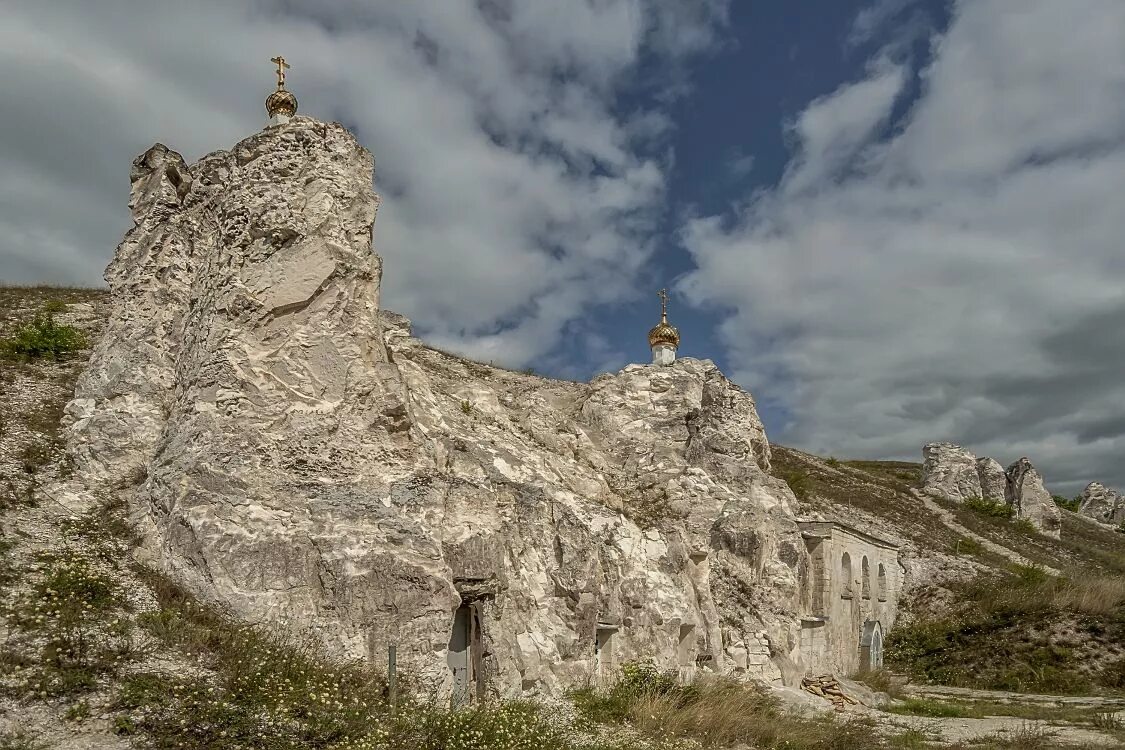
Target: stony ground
936,539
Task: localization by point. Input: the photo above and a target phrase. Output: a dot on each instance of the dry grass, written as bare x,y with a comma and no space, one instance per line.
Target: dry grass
1099,595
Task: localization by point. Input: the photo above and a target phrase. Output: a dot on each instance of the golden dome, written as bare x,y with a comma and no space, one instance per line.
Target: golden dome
281,102
663,332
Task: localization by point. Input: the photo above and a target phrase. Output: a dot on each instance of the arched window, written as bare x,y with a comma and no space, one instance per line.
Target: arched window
846,575
871,646
866,579
882,589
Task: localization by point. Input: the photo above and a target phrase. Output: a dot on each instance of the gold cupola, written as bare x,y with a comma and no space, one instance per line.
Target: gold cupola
663,338
281,104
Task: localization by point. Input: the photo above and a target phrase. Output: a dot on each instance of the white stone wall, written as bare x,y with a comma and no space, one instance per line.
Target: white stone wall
837,598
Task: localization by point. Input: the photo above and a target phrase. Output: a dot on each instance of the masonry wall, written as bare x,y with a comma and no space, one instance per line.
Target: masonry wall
849,579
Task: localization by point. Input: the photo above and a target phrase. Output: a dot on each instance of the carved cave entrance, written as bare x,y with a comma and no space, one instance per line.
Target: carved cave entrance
464,656
603,651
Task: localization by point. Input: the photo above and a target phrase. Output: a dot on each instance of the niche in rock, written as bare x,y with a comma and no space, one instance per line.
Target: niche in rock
603,651
464,656
685,648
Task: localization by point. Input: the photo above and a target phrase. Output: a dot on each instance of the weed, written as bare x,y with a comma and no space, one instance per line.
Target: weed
78,712
466,407
43,338
124,724
69,618
54,306
1107,720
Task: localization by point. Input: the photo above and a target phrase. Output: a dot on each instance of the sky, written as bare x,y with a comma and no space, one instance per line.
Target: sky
892,221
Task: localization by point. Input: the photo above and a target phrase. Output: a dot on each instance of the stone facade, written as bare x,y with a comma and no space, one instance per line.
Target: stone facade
850,588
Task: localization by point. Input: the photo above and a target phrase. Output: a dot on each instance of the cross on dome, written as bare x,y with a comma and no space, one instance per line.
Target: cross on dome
663,338
281,104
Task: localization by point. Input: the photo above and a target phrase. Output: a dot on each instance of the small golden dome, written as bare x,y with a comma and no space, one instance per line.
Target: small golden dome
663,332
281,102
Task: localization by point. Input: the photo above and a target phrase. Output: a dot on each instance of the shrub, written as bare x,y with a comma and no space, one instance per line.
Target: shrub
989,507
1071,504
798,481
43,337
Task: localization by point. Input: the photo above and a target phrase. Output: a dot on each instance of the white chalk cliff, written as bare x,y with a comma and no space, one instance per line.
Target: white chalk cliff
302,459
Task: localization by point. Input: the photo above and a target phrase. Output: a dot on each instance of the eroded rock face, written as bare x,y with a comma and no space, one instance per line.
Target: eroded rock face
993,479
306,461
950,471
1102,503
1031,499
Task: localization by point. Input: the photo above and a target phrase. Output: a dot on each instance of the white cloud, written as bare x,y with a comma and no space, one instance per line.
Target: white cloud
959,278
515,196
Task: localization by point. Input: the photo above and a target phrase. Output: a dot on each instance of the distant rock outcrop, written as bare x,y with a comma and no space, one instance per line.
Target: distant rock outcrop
1031,500
302,459
1102,504
993,479
951,472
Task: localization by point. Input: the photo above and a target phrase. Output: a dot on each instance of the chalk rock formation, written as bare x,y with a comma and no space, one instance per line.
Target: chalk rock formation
1102,503
954,473
950,471
993,479
1030,498
302,459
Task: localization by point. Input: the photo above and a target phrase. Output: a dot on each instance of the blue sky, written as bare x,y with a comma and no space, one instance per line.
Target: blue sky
769,62
893,221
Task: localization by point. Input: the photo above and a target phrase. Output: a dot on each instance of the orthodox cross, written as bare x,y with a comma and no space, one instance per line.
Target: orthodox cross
663,295
281,66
